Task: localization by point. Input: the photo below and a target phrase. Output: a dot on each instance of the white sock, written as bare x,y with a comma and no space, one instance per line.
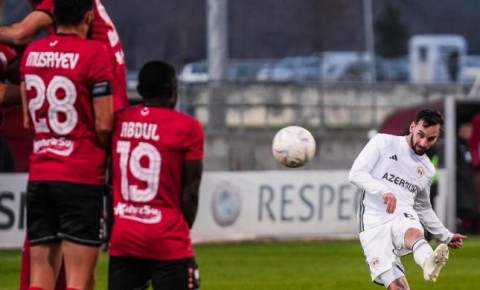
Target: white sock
421,251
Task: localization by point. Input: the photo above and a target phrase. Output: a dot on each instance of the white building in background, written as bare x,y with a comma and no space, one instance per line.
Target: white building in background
437,58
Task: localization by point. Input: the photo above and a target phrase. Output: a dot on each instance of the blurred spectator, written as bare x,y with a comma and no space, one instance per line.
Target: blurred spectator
475,141
475,149
466,197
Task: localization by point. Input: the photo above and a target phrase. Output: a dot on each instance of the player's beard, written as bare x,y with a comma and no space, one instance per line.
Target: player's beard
415,148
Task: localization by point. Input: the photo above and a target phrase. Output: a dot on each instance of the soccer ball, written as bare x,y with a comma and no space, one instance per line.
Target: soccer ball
293,146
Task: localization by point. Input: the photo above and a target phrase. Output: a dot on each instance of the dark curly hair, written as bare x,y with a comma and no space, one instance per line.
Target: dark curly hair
157,79
71,12
430,118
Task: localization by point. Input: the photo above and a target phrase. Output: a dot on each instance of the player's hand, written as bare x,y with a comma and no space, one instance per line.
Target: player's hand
457,241
391,201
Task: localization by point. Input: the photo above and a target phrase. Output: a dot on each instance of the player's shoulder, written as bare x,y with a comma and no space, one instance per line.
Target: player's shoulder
182,116
186,123
428,163
125,112
194,124
92,49
386,136
382,138
37,44
93,45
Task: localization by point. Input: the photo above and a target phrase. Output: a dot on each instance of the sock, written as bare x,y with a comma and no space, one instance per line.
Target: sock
71,289
35,288
421,251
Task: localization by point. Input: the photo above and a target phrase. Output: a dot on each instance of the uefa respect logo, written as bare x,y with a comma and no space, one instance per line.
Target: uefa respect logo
226,204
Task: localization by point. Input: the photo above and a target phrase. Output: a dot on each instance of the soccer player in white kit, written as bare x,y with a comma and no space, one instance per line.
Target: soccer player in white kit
395,175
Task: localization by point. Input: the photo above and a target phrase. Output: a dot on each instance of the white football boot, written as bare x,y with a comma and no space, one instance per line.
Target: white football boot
434,263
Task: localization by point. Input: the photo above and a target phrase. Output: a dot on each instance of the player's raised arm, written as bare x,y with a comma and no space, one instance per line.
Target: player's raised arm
24,32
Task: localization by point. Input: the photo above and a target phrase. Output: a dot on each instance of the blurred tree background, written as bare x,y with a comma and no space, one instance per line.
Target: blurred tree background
391,33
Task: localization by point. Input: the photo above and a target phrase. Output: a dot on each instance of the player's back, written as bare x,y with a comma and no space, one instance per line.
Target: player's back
150,146
104,31
61,73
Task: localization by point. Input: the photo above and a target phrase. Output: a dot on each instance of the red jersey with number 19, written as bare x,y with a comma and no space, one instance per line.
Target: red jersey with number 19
149,147
62,74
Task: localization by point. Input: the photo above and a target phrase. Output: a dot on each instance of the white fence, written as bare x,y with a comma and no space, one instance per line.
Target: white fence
239,206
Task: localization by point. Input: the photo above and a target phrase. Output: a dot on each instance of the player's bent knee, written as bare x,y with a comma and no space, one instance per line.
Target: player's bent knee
393,279
399,284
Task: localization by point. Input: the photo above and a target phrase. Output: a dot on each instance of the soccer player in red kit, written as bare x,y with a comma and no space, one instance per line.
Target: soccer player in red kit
103,30
157,156
67,101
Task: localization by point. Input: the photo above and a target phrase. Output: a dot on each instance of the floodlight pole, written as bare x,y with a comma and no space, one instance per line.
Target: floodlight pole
217,55
450,163
369,38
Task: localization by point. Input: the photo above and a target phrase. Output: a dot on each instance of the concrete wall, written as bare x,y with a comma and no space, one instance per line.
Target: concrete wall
338,115
253,151
257,106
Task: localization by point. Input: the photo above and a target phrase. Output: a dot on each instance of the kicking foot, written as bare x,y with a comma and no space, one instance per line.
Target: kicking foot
434,263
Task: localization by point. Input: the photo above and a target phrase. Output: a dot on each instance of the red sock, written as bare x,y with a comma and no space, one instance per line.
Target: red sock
35,288
72,289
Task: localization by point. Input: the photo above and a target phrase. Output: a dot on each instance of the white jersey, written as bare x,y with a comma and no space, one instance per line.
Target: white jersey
389,164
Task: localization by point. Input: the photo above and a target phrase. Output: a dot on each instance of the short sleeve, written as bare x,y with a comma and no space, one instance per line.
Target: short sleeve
195,142
101,69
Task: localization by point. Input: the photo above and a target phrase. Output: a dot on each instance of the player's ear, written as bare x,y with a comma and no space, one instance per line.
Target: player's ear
89,16
173,100
412,127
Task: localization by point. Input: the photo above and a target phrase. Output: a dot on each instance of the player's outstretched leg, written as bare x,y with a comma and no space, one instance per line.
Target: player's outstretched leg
434,263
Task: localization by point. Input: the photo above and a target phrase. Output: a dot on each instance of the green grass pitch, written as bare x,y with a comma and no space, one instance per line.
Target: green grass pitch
292,266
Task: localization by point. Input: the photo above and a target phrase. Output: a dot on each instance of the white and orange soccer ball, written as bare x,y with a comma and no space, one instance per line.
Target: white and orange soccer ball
293,146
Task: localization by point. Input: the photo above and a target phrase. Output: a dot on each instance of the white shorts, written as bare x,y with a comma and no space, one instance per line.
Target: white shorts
384,244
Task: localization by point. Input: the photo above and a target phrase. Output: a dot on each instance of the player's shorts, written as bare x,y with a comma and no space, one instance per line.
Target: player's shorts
126,273
384,244
64,211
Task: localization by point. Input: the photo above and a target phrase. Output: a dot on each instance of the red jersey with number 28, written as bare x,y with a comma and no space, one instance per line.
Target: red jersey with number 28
104,30
62,74
149,147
